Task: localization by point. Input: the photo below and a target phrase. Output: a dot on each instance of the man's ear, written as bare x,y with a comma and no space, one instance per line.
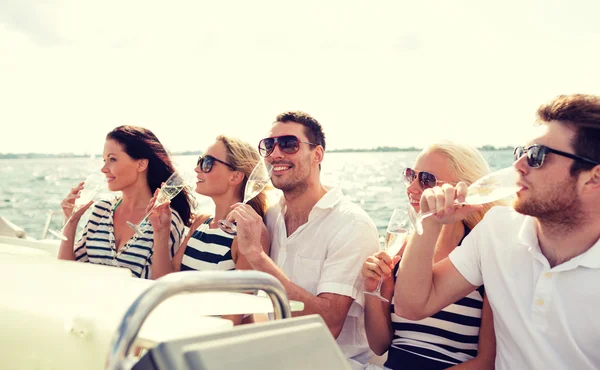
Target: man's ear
142,164
319,154
236,178
593,178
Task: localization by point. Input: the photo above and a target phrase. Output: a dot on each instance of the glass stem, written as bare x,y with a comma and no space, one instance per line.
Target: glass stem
378,290
75,209
143,221
62,230
429,213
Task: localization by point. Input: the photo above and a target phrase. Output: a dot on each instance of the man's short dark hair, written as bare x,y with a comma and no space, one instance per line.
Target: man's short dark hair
581,113
312,127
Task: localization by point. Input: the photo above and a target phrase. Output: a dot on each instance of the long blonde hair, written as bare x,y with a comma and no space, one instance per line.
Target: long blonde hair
244,157
467,164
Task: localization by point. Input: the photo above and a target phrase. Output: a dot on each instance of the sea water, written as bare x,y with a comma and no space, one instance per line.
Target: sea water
31,188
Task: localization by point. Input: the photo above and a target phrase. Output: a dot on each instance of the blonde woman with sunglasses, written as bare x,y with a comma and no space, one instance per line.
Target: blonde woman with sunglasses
460,335
222,172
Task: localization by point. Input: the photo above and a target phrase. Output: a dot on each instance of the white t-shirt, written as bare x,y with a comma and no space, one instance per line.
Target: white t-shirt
326,254
544,318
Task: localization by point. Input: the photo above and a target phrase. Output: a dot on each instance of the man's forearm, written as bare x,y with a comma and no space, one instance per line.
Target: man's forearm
262,262
415,275
312,304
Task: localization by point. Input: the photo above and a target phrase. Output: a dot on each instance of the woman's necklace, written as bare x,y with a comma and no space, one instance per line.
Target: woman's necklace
116,205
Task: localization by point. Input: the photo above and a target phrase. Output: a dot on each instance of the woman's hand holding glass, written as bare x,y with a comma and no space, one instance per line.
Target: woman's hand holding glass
395,235
169,189
159,214
249,230
68,205
378,267
78,200
257,181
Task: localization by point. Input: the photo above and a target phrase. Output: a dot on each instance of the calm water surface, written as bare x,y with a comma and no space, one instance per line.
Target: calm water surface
31,188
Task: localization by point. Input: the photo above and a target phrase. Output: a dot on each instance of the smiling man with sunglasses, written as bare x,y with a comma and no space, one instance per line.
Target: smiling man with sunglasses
539,259
319,238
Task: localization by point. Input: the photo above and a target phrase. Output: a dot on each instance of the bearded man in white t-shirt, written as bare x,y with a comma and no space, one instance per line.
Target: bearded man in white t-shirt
539,259
319,238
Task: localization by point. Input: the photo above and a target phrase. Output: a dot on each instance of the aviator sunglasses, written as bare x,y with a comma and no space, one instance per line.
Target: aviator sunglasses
537,153
206,163
288,144
427,180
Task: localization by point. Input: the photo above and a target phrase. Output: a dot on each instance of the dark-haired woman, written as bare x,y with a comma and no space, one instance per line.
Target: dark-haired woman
136,164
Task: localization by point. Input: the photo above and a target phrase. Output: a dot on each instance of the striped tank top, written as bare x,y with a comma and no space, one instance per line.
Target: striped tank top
208,249
97,243
447,338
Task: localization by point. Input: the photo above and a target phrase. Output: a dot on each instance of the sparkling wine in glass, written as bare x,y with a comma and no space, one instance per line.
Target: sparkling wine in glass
395,235
490,188
171,187
258,179
91,186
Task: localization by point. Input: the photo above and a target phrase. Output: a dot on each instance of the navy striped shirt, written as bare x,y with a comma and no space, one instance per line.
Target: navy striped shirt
97,244
208,249
447,338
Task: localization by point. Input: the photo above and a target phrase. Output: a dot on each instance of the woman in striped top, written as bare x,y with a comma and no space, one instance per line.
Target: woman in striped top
460,335
222,174
136,164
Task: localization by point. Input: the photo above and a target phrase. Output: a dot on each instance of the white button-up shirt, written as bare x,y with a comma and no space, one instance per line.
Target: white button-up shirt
326,254
544,318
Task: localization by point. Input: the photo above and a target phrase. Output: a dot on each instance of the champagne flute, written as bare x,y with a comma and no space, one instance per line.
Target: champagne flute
91,186
258,179
170,188
397,231
490,188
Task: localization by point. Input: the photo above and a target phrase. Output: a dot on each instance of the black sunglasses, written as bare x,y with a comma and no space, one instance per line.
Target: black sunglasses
537,153
206,163
427,180
289,144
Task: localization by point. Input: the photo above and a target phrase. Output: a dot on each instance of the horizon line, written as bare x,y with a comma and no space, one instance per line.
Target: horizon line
198,152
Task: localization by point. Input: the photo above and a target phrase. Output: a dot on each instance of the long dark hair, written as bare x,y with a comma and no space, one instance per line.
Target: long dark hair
141,143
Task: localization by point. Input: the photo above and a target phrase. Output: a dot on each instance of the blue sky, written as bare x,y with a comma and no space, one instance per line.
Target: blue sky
385,73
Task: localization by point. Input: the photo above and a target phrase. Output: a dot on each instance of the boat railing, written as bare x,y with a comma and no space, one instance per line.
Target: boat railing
48,221
189,282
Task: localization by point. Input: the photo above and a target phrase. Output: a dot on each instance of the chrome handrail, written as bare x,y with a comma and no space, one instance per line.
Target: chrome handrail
190,281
